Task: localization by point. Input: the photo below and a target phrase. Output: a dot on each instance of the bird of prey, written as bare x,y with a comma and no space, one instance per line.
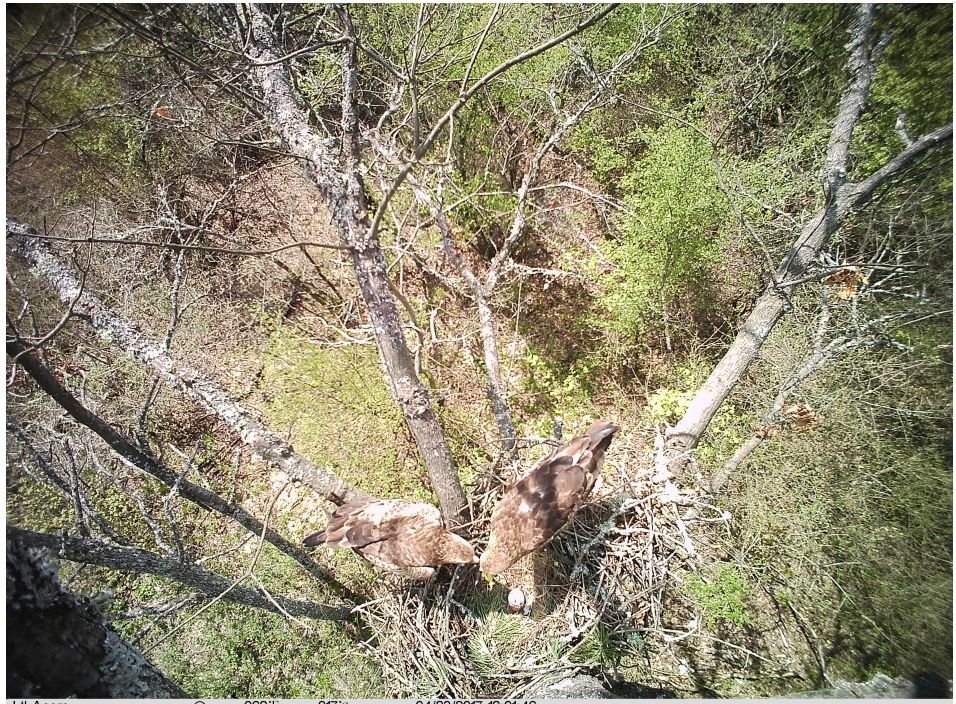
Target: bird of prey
533,510
403,537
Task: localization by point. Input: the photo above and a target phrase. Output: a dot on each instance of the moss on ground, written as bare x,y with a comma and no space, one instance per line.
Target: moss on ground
234,651
335,405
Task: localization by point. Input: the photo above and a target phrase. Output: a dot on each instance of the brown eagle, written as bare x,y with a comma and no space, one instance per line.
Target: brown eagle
402,537
533,510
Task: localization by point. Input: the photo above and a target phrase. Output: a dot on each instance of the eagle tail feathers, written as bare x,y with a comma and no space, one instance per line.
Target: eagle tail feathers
315,539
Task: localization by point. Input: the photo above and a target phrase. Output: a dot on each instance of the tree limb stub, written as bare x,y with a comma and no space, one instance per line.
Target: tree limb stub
267,445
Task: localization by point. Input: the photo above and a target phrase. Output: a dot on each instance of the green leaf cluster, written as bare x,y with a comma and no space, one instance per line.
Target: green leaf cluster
723,596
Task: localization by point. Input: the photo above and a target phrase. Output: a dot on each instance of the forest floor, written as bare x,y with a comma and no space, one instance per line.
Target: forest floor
626,593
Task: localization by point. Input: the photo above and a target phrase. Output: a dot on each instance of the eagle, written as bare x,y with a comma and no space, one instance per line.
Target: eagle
406,538
533,510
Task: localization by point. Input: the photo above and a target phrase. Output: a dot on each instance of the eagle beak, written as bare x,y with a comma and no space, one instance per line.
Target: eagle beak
490,578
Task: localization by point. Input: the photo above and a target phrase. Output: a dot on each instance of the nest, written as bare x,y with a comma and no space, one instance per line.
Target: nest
611,573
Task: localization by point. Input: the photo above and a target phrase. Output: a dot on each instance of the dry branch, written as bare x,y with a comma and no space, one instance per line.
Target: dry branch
342,188
125,448
842,199
266,444
94,552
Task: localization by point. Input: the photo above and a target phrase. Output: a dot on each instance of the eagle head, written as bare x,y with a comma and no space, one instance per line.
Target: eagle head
454,549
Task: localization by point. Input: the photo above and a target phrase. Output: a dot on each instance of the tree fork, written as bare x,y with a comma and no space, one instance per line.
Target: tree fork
342,188
843,198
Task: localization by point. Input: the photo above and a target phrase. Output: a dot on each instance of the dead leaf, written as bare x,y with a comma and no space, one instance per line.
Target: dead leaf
846,282
804,418
164,113
768,431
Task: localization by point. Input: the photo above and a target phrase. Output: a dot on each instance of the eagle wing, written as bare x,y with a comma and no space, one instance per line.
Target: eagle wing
413,543
539,505
354,525
399,533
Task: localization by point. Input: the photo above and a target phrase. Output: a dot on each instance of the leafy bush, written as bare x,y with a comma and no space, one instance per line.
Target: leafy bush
669,243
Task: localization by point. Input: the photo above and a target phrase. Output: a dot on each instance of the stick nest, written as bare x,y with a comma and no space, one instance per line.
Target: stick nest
610,574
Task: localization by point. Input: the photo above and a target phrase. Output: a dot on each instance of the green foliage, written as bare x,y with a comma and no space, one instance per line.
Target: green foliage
335,403
723,596
608,161
562,387
494,641
667,247
234,651
838,514
598,646
34,505
915,78
497,637
668,405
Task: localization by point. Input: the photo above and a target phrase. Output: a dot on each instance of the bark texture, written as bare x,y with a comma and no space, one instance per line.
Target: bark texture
268,446
132,454
127,559
60,647
842,198
340,183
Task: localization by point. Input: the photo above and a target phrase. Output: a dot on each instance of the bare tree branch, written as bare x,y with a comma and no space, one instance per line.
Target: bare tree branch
343,191
271,448
183,247
127,559
128,451
53,477
842,198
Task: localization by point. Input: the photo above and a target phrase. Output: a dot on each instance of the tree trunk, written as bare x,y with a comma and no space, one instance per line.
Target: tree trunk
126,559
409,392
342,188
59,647
842,199
268,446
139,459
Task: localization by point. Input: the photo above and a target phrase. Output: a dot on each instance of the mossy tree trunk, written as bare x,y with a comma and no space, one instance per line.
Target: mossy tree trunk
60,647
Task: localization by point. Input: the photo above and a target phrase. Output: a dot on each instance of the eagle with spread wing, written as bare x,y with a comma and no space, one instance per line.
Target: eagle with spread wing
402,537
533,510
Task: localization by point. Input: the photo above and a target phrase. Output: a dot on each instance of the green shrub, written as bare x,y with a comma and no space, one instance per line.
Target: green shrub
667,247
722,598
